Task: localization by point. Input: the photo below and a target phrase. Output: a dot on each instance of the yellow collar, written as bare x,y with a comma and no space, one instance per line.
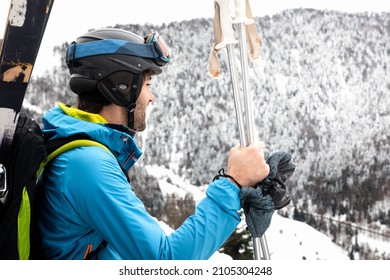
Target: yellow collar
82,115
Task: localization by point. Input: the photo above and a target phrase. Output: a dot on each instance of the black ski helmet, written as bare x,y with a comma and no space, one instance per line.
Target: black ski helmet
113,61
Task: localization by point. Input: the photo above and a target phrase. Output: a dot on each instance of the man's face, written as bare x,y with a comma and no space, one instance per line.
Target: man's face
142,103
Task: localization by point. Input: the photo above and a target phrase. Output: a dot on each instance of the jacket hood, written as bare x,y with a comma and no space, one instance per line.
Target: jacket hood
64,121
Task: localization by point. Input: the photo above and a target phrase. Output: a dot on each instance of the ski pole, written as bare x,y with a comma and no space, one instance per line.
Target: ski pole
228,42
241,20
244,115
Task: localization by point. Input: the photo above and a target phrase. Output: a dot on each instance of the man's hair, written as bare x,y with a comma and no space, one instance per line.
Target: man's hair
92,101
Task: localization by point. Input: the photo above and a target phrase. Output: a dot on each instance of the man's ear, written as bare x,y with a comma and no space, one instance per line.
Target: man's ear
79,83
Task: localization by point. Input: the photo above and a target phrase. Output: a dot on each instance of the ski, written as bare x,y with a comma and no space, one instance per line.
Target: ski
19,48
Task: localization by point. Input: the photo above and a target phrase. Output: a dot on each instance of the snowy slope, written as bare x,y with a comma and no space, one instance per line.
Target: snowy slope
292,240
287,239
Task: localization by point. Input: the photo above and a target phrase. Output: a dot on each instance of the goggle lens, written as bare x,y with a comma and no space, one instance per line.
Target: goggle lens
160,47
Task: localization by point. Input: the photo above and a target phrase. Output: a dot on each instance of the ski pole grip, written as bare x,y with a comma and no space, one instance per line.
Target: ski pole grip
226,24
240,12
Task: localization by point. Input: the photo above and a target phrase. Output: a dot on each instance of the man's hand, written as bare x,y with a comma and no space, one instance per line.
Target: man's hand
247,165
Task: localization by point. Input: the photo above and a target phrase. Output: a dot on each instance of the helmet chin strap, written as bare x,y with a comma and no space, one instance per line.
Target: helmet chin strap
130,116
135,91
118,92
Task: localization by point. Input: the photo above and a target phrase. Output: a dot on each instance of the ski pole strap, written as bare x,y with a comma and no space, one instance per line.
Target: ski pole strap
221,173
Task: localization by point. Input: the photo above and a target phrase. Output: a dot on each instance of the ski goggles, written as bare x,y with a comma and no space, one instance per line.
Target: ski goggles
160,46
154,48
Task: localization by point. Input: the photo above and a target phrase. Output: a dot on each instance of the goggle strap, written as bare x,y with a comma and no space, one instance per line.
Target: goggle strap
81,50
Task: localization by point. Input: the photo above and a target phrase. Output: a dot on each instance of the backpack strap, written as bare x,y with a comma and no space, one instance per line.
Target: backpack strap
69,146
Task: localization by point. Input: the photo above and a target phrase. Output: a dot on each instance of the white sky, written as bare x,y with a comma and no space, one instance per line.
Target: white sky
71,18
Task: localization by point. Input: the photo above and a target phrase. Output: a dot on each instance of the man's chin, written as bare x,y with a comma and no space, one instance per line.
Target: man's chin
139,128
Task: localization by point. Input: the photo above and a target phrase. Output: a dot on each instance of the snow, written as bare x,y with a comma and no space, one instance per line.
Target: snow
180,187
293,240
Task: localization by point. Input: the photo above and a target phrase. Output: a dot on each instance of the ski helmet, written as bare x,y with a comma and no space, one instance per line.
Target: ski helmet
113,61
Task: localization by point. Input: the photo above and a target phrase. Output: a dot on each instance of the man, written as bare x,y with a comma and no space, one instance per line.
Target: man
88,207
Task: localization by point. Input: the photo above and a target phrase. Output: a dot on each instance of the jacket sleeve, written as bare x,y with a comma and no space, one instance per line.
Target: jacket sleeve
214,220
104,199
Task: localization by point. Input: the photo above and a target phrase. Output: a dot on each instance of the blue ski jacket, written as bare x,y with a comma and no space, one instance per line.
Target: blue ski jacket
86,199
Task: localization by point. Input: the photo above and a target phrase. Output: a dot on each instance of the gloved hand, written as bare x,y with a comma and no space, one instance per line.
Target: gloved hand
258,208
259,203
281,168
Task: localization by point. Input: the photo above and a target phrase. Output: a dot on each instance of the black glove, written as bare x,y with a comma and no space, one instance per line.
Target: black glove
260,202
281,168
258,208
